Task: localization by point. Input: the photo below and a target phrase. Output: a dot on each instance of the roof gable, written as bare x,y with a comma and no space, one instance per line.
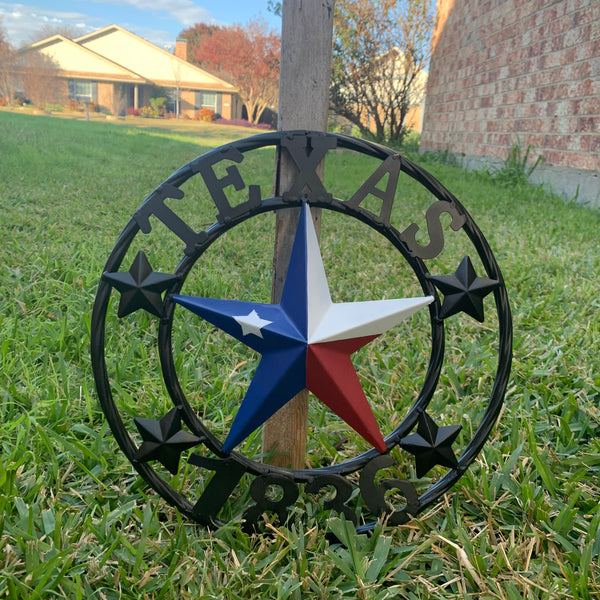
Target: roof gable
151,62
77,60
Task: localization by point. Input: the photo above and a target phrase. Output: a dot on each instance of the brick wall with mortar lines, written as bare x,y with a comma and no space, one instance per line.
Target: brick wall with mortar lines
508,70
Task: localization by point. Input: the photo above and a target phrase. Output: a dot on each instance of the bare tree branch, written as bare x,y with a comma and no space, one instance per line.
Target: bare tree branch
380,52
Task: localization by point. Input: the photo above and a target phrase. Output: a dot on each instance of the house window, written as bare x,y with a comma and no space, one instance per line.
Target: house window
210,100
80,89
83,89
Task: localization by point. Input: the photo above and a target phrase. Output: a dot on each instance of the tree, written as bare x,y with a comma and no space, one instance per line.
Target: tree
195,34
8,79
51,29
275,7
3,40
39,76
379,55
247,57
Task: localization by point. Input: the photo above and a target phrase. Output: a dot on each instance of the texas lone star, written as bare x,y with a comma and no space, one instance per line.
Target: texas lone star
305,341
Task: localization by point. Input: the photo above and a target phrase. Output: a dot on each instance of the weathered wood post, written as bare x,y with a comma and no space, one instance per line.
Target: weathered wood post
306,44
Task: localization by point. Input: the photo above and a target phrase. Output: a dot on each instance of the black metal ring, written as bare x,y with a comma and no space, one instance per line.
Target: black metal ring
202,242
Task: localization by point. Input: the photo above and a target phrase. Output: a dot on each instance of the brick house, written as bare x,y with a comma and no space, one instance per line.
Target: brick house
118,70
519,71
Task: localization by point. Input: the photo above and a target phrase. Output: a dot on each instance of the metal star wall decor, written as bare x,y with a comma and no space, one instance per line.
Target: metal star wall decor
464,291
356,357
164,440
431,445
140,287
305,341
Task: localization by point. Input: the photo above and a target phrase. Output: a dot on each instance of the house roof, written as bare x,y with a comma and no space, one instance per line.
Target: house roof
113,53
73,58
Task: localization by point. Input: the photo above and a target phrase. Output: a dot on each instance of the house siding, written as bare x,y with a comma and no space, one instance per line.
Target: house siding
519,71
227,106
106,96
187,103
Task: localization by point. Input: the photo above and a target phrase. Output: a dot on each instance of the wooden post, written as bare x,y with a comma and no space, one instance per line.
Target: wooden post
306,44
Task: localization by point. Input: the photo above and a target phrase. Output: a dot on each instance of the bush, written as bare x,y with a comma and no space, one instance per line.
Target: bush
338,127
205,114
411,142
517,167
148,112
159,106
78,105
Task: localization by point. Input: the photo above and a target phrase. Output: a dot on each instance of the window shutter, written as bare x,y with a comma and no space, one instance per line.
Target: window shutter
71,88
94,91
219,103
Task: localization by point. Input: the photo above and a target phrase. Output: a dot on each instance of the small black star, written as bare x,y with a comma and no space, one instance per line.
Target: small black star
164,440
464,291
140,287
431,445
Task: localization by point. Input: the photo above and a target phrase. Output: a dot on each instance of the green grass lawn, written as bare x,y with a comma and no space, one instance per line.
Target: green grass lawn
76,521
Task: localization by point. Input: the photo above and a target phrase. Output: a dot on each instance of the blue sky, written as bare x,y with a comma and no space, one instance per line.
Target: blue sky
159,21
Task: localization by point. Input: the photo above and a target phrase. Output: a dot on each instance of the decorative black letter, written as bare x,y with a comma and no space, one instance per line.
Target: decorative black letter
216,186
258,491
307,152
155,205
434,228
390,166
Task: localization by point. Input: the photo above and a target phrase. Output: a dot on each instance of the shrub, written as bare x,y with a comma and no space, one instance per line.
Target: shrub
132,112
339,128
205,114
411,142
159,106
517,167
148,112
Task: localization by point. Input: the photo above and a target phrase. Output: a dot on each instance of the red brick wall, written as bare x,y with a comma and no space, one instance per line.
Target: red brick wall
503,70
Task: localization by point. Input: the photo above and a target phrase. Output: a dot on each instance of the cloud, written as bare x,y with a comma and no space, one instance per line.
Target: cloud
185,12
21,22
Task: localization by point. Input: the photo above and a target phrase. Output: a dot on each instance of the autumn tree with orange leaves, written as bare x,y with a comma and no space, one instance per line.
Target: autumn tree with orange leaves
247,57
